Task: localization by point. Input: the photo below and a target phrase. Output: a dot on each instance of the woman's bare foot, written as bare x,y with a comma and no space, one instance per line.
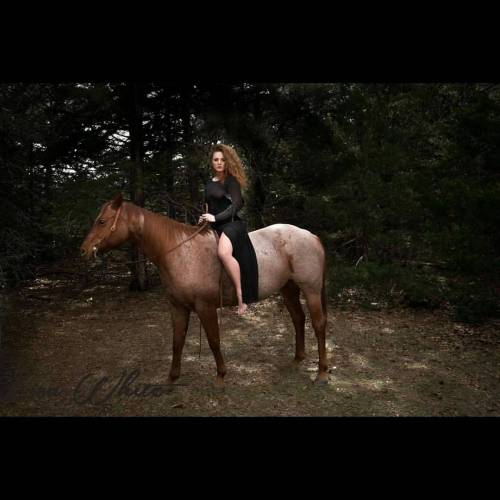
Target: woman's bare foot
242,309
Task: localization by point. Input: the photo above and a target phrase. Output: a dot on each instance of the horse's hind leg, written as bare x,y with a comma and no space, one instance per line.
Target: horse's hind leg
318,320
208,318
291,297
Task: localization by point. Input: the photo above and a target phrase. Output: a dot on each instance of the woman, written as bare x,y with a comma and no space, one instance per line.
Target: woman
223,196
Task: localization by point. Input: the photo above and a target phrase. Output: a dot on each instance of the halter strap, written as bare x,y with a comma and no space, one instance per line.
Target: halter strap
113,227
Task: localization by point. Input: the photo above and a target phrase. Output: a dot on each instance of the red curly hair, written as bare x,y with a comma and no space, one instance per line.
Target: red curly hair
233,163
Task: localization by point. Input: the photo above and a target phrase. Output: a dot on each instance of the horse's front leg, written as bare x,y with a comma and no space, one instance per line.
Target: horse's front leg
208,317
180,322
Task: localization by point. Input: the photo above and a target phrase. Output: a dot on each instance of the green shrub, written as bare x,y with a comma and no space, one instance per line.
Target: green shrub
474,302
372,284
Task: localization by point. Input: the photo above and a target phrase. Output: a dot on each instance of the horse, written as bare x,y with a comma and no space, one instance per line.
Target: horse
290,260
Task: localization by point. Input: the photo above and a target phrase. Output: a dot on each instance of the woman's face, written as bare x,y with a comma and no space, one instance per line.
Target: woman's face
218,162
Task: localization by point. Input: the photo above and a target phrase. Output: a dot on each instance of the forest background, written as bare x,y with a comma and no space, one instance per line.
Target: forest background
400,181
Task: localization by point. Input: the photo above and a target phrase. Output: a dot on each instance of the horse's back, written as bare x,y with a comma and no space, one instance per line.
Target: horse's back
285,252
294,239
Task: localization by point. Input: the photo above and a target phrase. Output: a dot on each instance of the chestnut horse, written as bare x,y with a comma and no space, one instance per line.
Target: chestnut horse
289,260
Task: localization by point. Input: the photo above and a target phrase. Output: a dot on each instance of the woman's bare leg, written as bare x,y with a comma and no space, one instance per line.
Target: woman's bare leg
225,251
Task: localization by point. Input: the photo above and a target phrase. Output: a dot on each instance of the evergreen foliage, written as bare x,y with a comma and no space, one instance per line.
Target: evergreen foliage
400,181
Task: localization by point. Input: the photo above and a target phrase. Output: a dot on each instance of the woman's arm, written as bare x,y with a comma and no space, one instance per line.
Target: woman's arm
233,187
206,208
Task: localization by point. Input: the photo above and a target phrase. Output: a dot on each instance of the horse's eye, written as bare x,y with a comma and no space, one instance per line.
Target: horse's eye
101,221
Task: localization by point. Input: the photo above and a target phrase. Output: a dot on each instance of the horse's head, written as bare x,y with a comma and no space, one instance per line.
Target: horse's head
108,231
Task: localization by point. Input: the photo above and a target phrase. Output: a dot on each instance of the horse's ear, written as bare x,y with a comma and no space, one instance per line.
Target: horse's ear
117,201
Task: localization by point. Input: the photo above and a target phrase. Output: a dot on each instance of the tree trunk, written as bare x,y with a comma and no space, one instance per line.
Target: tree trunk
257,195
31,183
138,269
169,180
168,173
256,161
187,139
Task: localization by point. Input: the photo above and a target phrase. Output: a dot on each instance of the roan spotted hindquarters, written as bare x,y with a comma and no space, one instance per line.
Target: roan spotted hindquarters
290,260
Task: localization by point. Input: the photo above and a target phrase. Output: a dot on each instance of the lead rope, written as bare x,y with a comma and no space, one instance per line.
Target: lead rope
113,229
220,290
205,223
220,301
168,251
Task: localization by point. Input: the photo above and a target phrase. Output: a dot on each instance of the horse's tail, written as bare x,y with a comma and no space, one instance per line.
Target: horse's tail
323,289
323,292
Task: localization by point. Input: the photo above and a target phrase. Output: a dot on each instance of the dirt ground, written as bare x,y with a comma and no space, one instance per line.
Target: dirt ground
71,347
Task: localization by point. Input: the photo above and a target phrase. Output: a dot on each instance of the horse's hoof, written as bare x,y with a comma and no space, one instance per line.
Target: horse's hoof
170,385
322,379
219,385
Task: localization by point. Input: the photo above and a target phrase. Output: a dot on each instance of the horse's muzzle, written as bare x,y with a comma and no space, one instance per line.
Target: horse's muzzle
87,254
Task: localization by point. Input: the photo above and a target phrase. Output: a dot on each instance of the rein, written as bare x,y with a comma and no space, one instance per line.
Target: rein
113,229
203,226
192,236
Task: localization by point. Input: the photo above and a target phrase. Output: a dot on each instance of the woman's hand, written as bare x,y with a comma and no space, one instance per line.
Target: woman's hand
208,217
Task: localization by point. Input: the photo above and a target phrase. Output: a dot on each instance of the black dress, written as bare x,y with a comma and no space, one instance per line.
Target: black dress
224,202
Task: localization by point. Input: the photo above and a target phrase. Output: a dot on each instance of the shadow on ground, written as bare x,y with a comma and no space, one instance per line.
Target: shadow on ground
94,348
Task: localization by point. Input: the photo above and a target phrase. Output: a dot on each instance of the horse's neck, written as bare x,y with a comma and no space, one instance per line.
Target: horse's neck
155,233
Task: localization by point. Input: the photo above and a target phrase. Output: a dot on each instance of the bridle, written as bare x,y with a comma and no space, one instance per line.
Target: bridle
112,230
203,226
113,227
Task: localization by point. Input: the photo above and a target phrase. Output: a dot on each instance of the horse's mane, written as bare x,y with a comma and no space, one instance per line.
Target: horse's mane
164,231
